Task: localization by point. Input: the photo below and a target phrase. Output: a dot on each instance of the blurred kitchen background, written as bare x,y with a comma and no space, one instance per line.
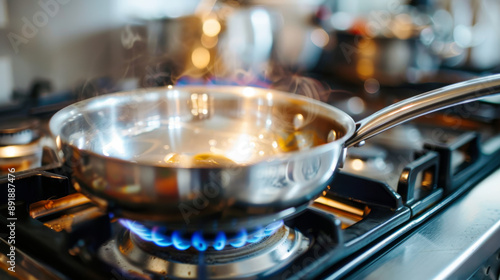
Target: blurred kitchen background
53,52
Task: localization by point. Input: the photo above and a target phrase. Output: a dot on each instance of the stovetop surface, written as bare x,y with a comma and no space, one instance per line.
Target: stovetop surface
446,246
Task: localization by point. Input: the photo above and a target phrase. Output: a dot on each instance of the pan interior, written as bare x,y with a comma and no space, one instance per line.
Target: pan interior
199,126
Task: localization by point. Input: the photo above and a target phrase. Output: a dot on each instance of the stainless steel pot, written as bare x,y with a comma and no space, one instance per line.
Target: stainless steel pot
132,153
233,41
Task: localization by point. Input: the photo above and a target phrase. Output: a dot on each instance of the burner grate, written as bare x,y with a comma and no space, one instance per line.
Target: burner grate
199,240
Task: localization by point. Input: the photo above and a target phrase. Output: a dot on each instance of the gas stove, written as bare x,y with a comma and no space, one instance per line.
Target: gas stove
406,190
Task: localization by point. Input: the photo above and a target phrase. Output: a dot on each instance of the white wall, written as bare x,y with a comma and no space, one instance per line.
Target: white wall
68,45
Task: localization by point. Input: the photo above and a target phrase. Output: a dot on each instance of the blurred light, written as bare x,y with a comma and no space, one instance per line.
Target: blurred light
168,157
367,47
463,36
209,42
200,57
263,36
174,122
356,105
58,142
199,104
443,21
211,27
403,26
437,46
357,164
341,20
194,104
110,102
372,86
298,121
454,49
365,67
172,93
130,189
248,92
319,37
426,62
154,9
241,151
380,164
332,136
11,151
405,175
115,147
427,36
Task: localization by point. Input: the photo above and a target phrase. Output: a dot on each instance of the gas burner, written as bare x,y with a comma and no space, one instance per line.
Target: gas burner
200,241
20,146
140,256
18,131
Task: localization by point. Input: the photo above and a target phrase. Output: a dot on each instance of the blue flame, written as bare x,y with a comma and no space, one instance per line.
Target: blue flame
270,229
220,241
199,240
240,240
138,229
160,239
257,236
179,242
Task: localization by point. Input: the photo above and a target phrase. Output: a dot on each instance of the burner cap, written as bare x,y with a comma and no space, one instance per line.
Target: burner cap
132,255
19,131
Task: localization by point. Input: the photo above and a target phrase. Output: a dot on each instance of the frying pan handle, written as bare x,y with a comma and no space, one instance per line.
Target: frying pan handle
422,104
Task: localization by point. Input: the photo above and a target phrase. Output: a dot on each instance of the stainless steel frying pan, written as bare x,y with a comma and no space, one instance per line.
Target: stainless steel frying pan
220,157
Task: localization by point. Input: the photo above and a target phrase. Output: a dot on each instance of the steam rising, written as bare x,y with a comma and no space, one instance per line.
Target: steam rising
129,37
217,44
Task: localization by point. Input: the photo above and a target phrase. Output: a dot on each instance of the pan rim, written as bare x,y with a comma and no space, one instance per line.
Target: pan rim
59,118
